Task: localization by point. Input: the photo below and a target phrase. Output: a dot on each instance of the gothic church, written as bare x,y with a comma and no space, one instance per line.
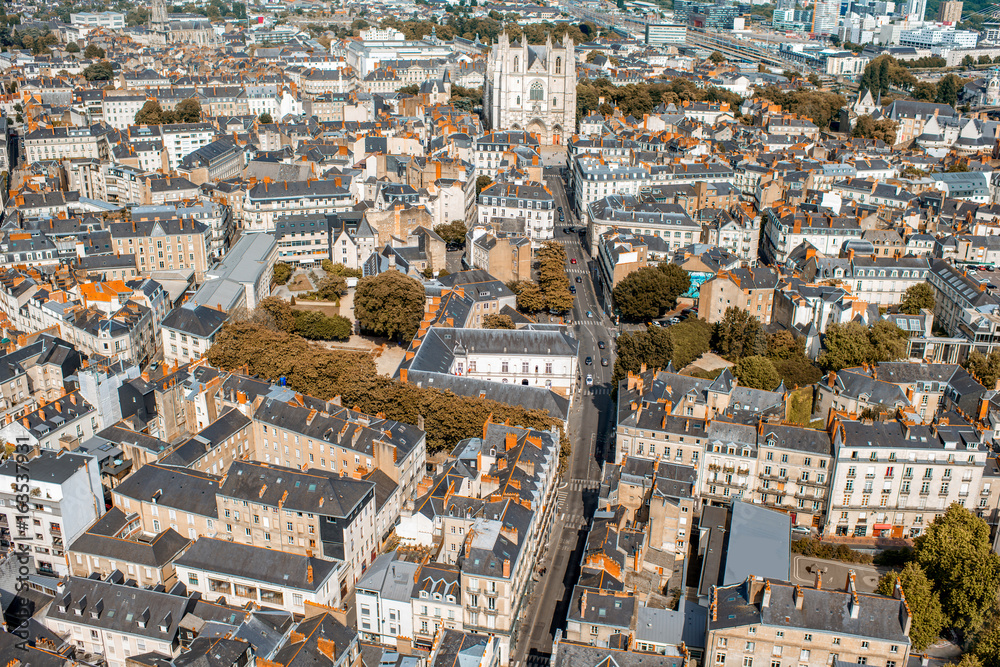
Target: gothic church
532,88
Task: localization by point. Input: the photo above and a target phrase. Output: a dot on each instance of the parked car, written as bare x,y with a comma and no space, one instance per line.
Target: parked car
579,279
600,344
572,289
604,361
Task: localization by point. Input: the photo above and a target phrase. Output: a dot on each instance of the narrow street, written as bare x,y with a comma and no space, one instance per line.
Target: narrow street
590,426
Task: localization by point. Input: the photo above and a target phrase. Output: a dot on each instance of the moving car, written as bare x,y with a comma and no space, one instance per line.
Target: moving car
579,279
600,344
604,361
589,361
590,380
572,261
572,290
590,313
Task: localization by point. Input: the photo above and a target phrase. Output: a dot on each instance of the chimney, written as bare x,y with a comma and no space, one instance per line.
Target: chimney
831,378
766,600
309,573
855,603
797,594
583,602
506,568
819,580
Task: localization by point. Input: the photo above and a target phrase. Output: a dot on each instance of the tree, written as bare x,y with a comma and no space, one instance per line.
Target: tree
282,272
592,56
340,269
646,293
883,129
314,325
151,113
496,321
852,344
947,89
265,118
482,182
916,298
739,334
529,297
92,52
72,47
717,57
986,650
984,368
99,71
815,80
968,61
957,555
452,232
924,91
657,346
925,605
279,311
330,288
757,372
389,304
188,111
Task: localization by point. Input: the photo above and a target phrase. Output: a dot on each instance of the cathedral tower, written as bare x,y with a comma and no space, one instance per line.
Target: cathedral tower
532,88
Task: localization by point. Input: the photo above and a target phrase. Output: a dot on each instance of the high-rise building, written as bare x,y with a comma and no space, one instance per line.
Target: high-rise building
916,9
826,16
950,11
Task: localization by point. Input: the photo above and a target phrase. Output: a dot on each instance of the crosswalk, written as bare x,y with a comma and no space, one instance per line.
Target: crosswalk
582,484
600,391
537,660
573,520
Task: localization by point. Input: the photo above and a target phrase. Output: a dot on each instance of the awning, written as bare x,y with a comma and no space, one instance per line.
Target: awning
882,526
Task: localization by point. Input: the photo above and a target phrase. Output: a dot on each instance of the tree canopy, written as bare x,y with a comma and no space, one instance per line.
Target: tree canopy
389,304
757,372
281,272
655,347
645,294
925,605
497,321
984,367
739,334
101,71
453,232
883,129
852,344
917,298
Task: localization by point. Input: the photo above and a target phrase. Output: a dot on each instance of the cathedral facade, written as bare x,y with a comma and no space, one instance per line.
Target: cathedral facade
532,88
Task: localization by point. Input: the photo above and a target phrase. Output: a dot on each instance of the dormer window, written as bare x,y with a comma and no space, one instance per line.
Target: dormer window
423,594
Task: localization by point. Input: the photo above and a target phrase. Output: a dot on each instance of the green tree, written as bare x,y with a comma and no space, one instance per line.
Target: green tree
411,89
482,182
852,344
716,57
985,650
657,346
968,61
72,47
452,232
279,312
985,368
957,555
496,321
330,288
389,304
265,119
924,91
282,272
678,282
925,605
529,297
314,325
883,129
739,334
93,52
757,372
947,89
151,113
916,298
188,111
639,296
592,56
99,71
815,80
340,269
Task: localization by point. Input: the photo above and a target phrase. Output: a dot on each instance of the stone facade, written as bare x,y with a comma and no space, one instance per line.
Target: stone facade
532,88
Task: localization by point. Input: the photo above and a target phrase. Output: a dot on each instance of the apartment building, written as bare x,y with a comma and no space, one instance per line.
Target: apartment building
305,240
167,243
529,207
303,512
167,497
218,217
65,498
506,256
216,446
514,356
266,202
639,217
955,291
59,143
116,621
786,228
271,578
884,280
321,435
436,602
61,424
188,331
120,109
383,599
494,150
762,621
794,469
115,542
892,478
751,290
660,410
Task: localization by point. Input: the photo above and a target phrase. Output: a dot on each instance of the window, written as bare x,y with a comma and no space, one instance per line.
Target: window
864,644
747,661
192,578
558,65
723,642
808,637
748,647
720,658
537,93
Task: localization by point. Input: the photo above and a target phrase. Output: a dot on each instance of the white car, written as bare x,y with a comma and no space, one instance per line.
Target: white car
590,380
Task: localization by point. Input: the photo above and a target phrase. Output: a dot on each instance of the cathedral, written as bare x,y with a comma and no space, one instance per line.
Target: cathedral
179,28
532,88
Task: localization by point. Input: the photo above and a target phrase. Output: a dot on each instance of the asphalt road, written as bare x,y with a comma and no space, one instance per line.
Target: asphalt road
589,428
